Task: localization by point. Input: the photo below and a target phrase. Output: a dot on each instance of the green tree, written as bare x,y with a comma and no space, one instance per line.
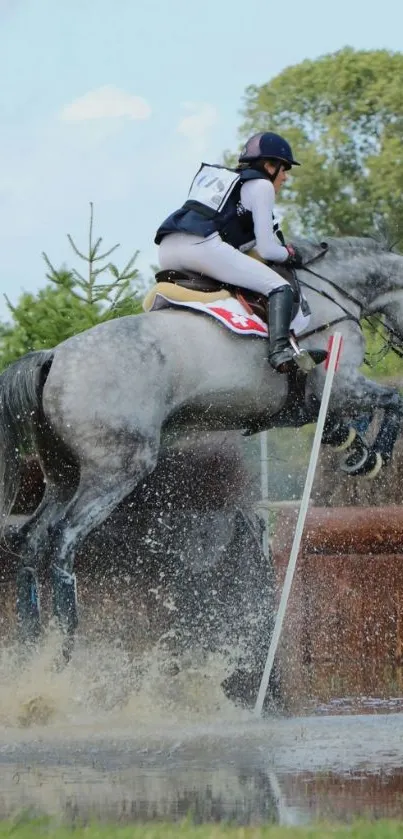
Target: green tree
71,301
343,114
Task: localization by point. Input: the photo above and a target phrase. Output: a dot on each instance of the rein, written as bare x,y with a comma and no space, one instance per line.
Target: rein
347,315
388,344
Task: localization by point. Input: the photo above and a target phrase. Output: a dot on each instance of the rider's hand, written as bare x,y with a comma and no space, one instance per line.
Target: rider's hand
295,257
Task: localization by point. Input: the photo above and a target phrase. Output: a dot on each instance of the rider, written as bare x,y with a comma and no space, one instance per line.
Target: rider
227,213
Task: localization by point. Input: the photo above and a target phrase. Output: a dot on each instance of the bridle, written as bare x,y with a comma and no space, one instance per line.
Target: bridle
394,343
347,314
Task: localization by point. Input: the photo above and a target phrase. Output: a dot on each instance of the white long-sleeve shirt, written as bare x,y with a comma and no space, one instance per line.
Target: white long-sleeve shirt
258,196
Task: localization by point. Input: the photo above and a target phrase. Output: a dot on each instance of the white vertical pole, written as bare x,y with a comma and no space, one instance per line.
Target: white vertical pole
332,363
264,489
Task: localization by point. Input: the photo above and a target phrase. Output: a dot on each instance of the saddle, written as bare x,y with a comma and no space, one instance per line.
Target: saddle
254,303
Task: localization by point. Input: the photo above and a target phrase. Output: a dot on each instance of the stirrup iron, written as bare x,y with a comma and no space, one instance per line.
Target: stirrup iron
301,357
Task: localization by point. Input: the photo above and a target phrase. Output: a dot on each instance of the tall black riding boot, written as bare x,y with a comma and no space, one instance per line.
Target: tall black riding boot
282,356
280,305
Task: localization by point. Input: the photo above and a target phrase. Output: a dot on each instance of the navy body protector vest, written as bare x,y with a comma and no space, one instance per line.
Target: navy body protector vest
213,206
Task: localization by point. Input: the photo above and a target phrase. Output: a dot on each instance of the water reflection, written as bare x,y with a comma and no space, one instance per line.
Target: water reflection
125,766
138,795
343,797
239,795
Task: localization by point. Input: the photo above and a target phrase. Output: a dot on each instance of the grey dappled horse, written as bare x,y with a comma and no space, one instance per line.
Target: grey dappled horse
99,406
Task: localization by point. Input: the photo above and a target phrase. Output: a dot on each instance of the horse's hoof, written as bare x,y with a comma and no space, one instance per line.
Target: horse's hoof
358,455
373,465
368,469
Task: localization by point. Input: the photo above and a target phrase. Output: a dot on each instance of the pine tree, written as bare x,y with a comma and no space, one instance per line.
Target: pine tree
111,298
71,301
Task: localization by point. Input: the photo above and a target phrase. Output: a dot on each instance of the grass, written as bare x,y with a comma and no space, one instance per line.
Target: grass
185,830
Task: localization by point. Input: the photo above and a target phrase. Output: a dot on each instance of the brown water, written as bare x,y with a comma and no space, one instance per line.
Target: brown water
113,737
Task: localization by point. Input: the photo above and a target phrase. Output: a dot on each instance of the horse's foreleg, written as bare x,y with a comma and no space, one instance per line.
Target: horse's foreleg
344,436
385,440
380,453
353,396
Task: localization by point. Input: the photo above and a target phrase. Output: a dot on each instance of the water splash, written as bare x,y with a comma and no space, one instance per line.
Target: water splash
104,683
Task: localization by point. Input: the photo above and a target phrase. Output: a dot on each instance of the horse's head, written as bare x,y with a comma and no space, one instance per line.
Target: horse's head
387,294
365,270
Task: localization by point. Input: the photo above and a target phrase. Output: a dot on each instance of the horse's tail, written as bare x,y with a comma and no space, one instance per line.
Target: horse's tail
21,414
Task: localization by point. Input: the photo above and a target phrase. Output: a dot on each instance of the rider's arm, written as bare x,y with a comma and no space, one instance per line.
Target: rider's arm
258,196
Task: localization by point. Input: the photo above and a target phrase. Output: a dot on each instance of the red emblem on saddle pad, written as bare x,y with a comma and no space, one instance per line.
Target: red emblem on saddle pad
242,323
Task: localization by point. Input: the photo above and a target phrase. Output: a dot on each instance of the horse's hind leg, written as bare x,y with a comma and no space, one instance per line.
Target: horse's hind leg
31,543
97,495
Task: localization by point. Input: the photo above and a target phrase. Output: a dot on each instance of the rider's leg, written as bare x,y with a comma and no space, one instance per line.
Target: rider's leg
215,258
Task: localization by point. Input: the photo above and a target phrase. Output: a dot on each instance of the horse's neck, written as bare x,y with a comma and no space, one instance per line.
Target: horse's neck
354,282
359,271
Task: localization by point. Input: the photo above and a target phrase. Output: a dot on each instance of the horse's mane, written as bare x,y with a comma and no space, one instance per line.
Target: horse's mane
346,245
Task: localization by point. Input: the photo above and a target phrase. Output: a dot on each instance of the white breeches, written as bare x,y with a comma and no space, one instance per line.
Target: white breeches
213,257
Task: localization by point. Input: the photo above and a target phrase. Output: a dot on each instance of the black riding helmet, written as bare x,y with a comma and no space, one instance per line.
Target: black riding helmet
268,146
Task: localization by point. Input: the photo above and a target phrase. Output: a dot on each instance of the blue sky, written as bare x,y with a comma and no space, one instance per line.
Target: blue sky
117,102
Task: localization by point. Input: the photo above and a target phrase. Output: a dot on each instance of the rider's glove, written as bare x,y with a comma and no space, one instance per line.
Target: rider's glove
294,258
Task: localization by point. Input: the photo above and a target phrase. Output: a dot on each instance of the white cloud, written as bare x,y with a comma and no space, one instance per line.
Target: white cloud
106,102
197,125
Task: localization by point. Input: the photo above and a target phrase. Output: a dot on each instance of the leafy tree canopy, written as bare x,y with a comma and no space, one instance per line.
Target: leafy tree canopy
343,114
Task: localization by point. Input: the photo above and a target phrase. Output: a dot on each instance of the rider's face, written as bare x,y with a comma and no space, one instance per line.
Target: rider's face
281,176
